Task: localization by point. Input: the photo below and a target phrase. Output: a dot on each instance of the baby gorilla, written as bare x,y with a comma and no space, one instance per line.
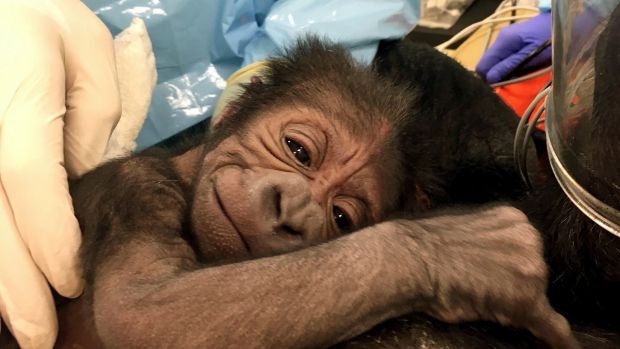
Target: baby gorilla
197,249
302,157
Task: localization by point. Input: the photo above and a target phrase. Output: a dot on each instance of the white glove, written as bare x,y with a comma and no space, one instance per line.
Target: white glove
59,102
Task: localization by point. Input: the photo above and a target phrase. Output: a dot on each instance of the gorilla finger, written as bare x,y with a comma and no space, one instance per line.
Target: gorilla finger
553,328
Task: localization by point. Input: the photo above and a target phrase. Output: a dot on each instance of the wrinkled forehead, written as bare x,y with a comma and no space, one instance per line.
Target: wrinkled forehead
358,138
381,172
361,112
359,148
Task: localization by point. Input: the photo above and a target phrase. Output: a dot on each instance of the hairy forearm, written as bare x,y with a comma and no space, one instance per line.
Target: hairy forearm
310,298
149,290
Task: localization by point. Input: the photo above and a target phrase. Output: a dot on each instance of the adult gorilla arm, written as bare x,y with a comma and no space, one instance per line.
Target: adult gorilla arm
148,289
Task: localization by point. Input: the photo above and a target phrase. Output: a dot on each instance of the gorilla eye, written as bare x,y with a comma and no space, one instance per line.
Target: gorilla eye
298,151
342,220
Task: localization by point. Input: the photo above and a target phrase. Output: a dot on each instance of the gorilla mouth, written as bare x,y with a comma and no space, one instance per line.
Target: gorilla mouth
219,202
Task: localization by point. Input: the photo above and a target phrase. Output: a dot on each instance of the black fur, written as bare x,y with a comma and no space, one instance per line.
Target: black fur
457,137
469,159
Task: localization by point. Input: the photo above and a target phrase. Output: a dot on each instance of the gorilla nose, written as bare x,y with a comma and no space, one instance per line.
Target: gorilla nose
288,210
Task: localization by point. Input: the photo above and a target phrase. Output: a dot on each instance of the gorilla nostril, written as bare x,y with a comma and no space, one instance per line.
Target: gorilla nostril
287,229
277,198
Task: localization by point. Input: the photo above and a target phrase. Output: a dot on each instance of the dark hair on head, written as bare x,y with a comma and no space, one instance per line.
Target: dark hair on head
321,75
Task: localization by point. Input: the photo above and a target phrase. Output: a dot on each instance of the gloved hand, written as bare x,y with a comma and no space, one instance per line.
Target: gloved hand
512,46
58,105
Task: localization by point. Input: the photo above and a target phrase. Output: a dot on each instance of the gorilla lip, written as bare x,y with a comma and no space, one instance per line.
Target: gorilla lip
218,199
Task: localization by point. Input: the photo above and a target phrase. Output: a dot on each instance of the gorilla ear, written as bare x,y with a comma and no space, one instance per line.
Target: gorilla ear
248,75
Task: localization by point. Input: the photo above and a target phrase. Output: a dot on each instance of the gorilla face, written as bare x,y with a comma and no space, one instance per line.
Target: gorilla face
289,178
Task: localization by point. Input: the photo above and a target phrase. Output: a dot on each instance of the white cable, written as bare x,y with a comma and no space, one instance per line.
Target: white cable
487,40
516,149
526,140
512,8
500,10
490,19
502,4
523,78
509,3
467,31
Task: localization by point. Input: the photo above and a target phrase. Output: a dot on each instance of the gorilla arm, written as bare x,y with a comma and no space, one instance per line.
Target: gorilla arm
148,290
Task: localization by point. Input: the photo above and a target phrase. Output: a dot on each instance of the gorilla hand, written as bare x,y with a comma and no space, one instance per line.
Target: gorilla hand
486,264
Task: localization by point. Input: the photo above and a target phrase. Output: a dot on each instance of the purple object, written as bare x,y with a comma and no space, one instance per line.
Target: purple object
513,45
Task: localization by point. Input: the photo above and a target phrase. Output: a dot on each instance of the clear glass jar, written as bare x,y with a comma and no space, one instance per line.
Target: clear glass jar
583,116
